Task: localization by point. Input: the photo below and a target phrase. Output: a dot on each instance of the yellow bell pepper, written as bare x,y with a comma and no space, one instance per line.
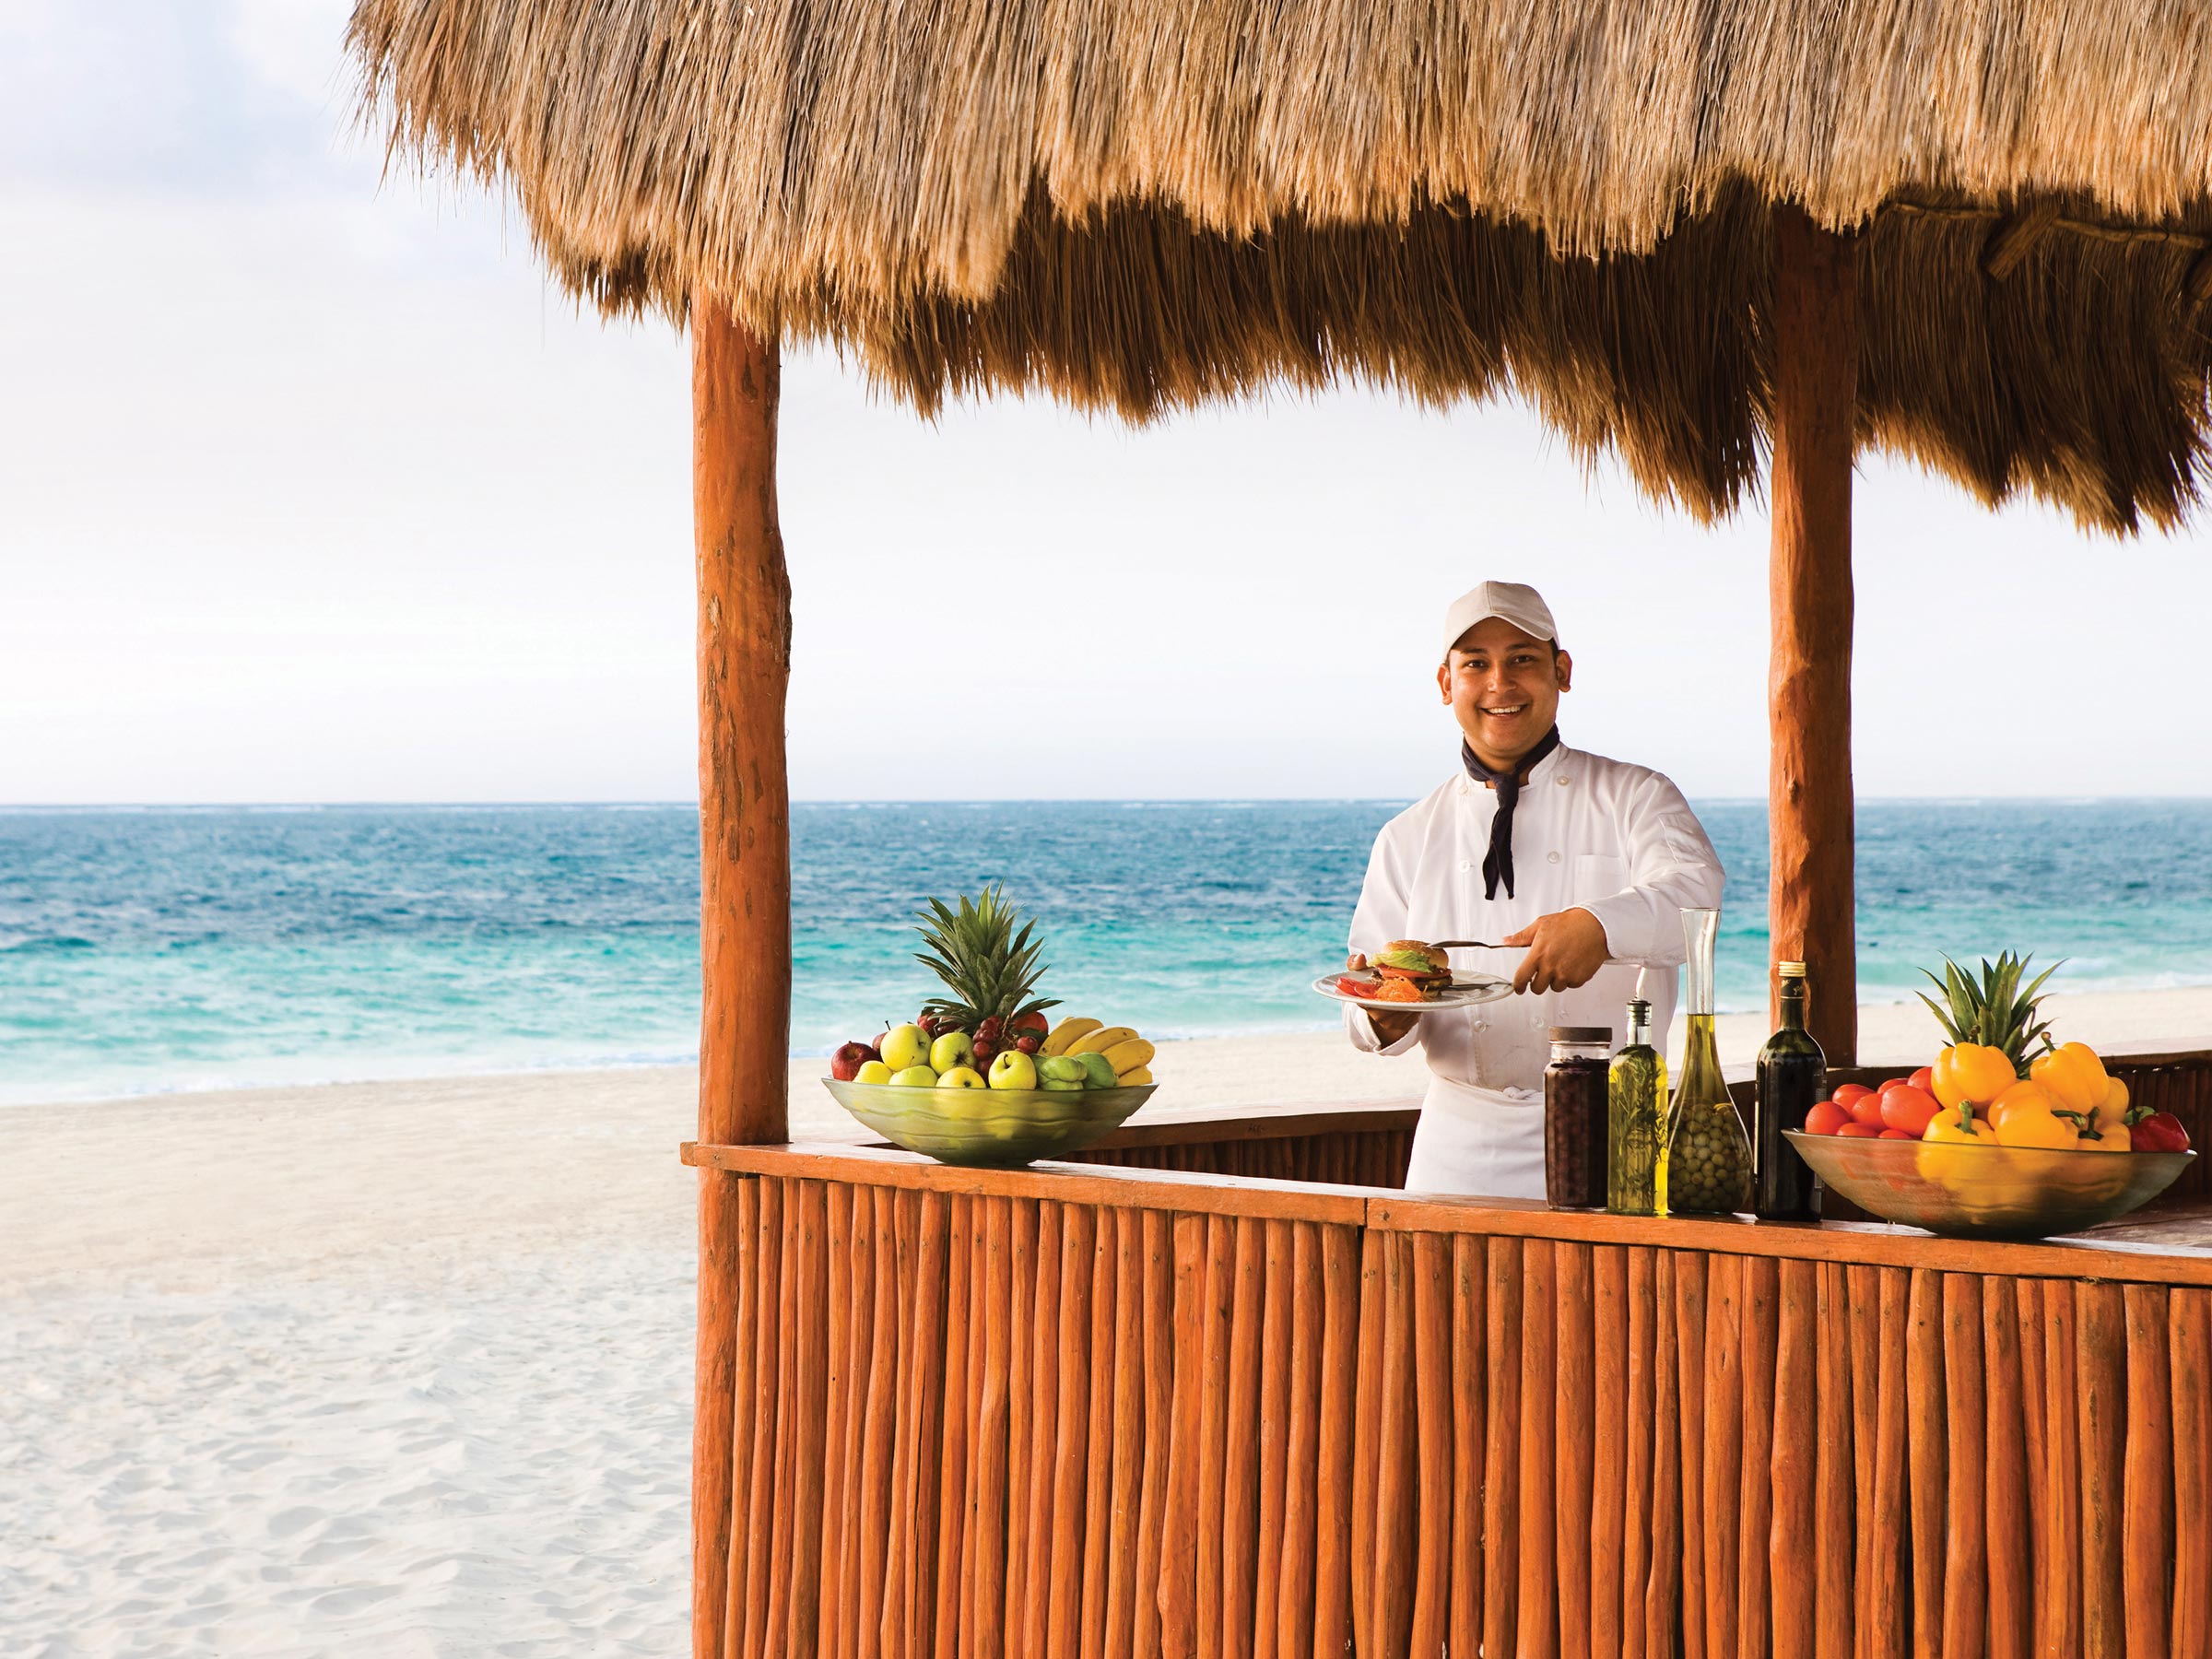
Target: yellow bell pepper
2072,1075
2104,1136
2104,1126
1952,1155
1969,1072
1959,1126
2026,1115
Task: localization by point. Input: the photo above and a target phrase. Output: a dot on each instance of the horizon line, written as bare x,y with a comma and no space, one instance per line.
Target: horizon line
1221,800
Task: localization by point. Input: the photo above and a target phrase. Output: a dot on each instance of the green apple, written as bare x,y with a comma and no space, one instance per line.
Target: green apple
1101,1070
952,1051
913,1077
1013,1069
872,1071
959,1076
903,1047
1066,1070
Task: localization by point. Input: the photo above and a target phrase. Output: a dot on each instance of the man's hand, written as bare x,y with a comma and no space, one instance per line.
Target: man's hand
1388,1028
1565,950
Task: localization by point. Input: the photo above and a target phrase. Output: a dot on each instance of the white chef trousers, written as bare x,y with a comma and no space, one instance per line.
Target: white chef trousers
1486,1142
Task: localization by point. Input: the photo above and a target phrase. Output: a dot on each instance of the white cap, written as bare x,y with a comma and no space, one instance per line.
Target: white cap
1513,602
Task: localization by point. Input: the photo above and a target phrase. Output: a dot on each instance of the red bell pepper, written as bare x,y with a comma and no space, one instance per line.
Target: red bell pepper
2156,1132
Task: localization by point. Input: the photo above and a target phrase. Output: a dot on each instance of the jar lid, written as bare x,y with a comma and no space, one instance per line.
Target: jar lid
1582,1033
1790,970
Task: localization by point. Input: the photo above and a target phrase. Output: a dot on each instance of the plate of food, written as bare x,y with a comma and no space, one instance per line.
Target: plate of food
1409,974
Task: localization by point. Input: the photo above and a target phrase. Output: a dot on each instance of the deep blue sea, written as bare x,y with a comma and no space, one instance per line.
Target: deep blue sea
163,948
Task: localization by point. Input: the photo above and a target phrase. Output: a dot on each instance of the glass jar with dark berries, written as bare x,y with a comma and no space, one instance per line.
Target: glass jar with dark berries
1576,1117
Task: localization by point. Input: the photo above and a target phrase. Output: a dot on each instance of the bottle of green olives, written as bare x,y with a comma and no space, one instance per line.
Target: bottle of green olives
1707,1167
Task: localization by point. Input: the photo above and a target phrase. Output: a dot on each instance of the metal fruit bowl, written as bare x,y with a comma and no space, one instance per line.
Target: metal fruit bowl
988,1128
1967,1191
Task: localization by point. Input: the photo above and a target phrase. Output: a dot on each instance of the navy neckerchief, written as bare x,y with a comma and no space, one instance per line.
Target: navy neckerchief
1498,863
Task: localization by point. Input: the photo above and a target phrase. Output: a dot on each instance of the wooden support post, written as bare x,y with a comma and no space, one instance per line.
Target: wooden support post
744,869
1808,772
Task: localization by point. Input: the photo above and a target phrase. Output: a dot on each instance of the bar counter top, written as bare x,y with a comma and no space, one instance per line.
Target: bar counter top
2171,1246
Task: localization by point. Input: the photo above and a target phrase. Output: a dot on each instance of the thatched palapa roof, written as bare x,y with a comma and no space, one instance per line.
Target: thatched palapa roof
1140,206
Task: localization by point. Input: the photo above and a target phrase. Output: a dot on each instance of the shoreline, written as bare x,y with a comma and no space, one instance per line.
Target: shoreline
1890,1034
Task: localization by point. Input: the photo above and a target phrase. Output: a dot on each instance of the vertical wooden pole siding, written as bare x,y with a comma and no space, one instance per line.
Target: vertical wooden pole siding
744,886
1809,775
986,1423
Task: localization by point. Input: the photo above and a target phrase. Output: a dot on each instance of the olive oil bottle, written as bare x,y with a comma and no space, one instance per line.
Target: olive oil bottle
1707,1169
1792,1074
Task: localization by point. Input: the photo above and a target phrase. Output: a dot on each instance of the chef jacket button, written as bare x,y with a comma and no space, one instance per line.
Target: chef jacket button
1552,857
1562,779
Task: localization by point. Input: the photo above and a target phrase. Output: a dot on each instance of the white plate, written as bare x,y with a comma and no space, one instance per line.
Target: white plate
1464,991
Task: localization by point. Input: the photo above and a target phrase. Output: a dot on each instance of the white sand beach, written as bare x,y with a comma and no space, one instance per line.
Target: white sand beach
404,1368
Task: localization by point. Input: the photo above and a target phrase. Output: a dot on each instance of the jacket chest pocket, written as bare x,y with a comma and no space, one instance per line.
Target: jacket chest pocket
1598,876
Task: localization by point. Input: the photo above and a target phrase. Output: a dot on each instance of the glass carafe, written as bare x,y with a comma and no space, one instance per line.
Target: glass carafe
1707,1169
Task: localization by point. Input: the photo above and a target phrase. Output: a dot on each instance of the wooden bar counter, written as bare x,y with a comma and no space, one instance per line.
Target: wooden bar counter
1220,1389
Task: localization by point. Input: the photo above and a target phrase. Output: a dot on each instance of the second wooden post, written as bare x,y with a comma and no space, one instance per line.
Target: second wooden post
1809,800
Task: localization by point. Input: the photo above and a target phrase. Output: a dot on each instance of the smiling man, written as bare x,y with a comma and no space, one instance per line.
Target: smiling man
1575,868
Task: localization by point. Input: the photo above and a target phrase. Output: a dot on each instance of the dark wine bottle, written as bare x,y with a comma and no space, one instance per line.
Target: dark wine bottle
1792,1075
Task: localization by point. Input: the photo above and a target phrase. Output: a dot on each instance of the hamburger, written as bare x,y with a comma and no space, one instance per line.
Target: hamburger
1414,961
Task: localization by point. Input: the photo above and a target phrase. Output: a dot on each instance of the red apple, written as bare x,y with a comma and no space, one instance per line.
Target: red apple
1035,1020
844,1065
929,1023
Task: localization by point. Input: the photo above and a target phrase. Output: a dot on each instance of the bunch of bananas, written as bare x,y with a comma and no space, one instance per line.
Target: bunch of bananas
1129,1054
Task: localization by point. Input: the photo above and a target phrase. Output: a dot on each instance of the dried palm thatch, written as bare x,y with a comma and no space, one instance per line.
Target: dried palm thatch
1139,207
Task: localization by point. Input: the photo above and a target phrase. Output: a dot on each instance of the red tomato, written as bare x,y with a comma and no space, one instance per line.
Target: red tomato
1352,985
1909,1111
1924,1079
1825,1118
1867,1110
1895,1135
1849,1092
1861,1130
1889,1083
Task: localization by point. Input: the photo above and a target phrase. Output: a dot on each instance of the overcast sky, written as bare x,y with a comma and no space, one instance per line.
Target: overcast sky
314,487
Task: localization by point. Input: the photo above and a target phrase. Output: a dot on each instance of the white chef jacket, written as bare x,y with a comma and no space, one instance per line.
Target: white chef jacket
1589,833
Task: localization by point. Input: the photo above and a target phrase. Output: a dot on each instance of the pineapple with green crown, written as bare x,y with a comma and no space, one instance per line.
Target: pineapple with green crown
987,956
1993,1011
1989,1022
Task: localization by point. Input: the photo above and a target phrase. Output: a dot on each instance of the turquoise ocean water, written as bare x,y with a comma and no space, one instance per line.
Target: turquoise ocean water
164,948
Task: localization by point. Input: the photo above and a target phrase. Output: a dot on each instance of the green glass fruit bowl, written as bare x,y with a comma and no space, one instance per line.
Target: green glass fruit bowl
1967,1191
988,1128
